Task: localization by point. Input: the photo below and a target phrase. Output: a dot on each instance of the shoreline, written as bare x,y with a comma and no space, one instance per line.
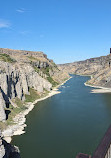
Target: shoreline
98,89
20,119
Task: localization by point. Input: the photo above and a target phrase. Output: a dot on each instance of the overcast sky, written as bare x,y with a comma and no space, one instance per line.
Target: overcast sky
65,30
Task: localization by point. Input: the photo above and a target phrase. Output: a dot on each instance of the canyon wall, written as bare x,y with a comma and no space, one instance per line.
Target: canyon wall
22,73
99,69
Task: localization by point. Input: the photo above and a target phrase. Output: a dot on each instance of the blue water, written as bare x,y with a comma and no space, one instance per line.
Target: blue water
70,122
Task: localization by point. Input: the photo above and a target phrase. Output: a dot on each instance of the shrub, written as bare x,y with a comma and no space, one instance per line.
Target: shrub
33,96
6,58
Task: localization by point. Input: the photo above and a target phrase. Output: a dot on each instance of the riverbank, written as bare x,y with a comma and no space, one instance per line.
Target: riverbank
99,89
51,124
19,120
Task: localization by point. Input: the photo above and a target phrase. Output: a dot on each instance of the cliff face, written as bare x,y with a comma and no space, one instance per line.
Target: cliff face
23,74
99,68
15,81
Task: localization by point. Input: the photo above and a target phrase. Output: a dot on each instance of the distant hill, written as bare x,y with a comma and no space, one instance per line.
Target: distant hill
99,68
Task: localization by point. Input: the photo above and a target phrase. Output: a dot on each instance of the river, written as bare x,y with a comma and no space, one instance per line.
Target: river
63,125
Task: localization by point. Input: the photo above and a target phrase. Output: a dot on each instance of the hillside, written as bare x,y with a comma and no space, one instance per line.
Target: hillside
24,77
98,68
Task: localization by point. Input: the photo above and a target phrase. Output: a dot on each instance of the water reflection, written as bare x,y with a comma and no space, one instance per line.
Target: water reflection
61,126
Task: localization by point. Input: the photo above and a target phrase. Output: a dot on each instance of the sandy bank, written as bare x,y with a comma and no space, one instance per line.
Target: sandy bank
99,89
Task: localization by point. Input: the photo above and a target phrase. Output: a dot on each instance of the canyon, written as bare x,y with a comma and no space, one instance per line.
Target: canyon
28,76
98,68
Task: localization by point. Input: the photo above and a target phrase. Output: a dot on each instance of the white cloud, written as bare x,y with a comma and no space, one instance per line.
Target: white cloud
21,10
24,32
4,24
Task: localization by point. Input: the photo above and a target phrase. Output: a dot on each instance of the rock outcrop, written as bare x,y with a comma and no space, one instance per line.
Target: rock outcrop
15,81
2,108
7,150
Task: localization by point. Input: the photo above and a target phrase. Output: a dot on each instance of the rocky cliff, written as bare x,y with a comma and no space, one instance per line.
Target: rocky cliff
24,77
99,69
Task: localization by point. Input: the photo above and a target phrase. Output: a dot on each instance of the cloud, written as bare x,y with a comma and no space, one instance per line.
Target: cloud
24,32
21,10
4,23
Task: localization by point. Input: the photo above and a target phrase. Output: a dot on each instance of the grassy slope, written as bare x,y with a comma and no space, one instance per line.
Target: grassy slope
6,58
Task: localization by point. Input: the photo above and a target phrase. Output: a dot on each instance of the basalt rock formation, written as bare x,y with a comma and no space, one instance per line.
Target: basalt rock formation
23,73
98,68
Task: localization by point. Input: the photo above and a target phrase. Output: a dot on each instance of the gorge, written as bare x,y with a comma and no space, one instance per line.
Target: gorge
27,76
71,122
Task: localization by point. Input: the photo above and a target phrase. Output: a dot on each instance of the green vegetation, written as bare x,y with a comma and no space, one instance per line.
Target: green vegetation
12,112
46,71
20,106
36,69
32,58
45,93
19,103
65,78
6,58
50,79
15,110
55,65
33,96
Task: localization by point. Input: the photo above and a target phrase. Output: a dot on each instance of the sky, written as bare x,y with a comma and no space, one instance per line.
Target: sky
65,30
